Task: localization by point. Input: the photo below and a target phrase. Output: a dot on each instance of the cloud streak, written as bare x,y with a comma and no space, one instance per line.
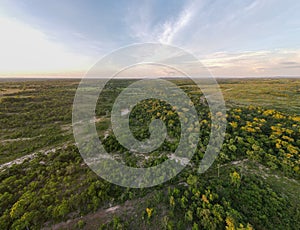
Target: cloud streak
171,28
143,29
254,63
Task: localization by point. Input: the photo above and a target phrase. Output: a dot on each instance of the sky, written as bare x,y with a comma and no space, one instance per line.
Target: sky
231,38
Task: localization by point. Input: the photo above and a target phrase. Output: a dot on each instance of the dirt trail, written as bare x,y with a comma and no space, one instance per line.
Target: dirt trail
19,139
20,160
102,216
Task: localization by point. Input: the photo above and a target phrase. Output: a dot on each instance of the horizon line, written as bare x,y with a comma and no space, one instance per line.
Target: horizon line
169,77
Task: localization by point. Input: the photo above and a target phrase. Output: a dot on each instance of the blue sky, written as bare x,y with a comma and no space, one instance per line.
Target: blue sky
232,38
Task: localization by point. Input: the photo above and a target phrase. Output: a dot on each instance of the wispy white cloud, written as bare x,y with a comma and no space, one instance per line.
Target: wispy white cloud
282,62
142,27
171,28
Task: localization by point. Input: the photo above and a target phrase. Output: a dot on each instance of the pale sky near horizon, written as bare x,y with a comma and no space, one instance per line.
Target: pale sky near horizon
231,38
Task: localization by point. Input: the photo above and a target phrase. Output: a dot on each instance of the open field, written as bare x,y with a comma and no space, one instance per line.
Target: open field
279,94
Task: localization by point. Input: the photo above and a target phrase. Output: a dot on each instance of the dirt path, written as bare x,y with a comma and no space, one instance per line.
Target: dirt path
19,139
20,160
102,216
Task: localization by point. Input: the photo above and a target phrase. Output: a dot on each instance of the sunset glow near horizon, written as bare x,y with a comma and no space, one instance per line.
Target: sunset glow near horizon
231,38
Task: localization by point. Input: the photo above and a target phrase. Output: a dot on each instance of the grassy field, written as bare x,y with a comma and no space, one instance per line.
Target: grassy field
279,94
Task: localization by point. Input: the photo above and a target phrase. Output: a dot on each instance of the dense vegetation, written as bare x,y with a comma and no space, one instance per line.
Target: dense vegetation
254,183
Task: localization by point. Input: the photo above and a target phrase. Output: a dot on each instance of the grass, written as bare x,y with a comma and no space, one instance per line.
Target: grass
279,94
